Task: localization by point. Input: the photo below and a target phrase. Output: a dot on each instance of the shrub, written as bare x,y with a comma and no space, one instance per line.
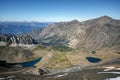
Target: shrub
62,48
93,52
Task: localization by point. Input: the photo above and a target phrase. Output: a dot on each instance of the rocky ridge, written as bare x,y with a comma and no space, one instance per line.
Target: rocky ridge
17,39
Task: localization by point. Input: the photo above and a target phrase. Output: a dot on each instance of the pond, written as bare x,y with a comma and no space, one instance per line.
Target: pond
93,59
20,64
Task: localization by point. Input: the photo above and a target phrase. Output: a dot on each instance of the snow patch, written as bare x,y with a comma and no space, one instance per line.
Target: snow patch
111,68
61,75
108,72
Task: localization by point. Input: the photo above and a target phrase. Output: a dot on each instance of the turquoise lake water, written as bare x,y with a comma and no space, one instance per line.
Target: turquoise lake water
30,63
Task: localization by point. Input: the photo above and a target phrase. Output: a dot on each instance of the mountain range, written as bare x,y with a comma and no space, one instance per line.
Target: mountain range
7,27
96,33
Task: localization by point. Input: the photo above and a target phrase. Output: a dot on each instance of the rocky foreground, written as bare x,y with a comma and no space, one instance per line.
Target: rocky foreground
105,71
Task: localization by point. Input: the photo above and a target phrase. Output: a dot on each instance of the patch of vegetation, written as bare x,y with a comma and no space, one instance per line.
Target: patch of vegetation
42,47
39,47
93,52
59,60
31,58
118,52
62,48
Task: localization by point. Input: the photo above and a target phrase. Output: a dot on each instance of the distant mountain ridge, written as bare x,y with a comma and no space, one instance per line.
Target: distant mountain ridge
20,27
95,33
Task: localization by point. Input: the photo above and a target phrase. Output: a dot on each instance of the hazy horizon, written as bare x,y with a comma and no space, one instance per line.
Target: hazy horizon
57,10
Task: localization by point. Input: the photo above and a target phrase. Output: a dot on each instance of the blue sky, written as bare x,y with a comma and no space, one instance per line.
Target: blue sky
57,10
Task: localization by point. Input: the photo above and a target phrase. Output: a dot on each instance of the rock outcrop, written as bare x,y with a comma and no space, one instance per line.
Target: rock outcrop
16,39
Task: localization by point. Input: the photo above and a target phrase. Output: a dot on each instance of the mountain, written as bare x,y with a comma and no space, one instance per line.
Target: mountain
60,32
95,33
20,27
101,32
10,39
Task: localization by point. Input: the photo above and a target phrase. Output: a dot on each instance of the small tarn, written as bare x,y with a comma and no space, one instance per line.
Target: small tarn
93,59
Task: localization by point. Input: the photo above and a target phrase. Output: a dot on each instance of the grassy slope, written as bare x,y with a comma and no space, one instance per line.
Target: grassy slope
14,54
56,59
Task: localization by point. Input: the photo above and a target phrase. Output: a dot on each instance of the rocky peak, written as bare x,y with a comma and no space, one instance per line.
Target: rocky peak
75,21
105,19
98,21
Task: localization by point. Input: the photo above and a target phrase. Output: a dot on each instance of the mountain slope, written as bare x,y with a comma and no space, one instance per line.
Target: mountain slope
95,33
104,35
14,54
61,33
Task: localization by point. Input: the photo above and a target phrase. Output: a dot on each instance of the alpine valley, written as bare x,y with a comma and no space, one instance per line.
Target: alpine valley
60,50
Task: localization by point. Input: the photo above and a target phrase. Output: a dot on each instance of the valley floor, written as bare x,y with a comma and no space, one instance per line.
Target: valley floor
67,65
